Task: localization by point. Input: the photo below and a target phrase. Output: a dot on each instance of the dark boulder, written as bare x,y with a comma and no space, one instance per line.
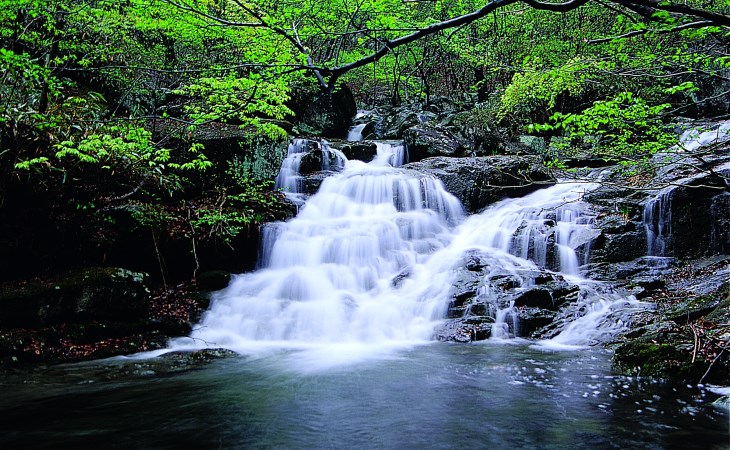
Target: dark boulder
426,140
324,114
319,159
473,328
535,298
94,294
395,123
480,181
531,319
362,151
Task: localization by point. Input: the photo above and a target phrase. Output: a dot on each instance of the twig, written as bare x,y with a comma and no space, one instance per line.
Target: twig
696,343
711,364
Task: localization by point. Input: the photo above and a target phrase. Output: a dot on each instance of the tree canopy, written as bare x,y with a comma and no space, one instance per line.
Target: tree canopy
101,100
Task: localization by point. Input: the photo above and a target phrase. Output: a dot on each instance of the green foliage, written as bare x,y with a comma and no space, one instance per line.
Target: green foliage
623,129
537,91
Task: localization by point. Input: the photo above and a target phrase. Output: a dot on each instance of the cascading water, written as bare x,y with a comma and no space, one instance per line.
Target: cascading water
290,179
327,273
355,133
657,216
372,256
657,222
548,229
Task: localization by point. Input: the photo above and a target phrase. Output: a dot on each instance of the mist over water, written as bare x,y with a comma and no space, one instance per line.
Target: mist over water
367,265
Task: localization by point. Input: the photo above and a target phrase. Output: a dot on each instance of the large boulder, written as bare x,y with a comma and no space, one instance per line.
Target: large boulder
93,294
481,181
426,140
326,114
362,151
395,122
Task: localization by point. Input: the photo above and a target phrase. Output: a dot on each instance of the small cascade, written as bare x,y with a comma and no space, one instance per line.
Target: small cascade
519,238
355,133
391,154
657,219
550,227
290,180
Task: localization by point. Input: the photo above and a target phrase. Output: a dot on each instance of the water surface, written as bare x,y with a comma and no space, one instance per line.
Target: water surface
435,396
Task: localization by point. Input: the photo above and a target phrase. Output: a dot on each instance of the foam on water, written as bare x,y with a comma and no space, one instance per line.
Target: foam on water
368,263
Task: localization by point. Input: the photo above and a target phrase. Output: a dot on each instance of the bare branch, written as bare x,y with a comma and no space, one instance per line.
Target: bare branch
686,26
644,6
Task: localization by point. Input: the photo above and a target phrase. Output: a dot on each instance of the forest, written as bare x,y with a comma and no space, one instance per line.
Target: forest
364,223
147,134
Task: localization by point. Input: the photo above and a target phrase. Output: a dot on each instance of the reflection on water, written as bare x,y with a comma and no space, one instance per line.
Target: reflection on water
434,396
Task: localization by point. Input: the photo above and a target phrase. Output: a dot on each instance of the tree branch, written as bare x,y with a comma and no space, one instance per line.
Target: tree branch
686,26
641,7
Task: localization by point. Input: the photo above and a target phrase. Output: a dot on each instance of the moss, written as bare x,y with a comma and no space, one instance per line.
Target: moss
641,358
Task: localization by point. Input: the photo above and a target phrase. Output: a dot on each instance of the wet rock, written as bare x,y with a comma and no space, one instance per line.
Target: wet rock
317,160
398,280
531,319
692,309
395,123
361,151
426,140
646,265
535,298
618,246
550,295
475,328
311,182
480,181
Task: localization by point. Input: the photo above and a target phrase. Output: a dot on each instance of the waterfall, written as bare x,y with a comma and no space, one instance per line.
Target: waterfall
355,132
657,216
290,180
371,257
657,219
550,227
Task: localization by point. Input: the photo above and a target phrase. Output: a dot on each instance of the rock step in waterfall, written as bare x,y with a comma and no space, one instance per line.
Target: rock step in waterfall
374,257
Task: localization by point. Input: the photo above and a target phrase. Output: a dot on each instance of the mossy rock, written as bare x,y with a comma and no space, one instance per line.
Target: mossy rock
658,360
666,351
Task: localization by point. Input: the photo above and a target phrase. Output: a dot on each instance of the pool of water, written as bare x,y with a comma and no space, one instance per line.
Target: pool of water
488,395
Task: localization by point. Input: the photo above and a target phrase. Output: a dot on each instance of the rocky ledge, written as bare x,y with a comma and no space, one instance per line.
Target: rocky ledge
95,313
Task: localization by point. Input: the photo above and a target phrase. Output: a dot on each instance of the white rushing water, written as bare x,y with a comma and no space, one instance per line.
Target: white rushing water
355,133
369,262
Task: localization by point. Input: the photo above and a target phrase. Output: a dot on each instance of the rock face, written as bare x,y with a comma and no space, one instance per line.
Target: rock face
362,151
426,140
720,213
95,294
327,115
480,181
529,301
684,338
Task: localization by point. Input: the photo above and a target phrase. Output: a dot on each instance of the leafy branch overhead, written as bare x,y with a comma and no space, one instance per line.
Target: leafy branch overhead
92,89
329,35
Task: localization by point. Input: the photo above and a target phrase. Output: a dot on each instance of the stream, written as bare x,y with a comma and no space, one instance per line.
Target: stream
334,339
491,395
